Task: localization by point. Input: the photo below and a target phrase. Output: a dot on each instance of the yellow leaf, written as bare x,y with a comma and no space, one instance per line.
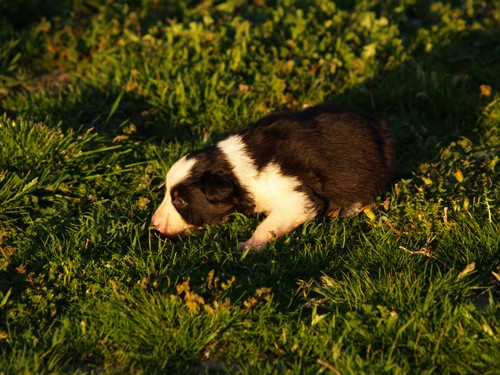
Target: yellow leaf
466,204
251,302
368,212
459,176
468,269
427,181
487,329
119,138
183,287
369,50
387,204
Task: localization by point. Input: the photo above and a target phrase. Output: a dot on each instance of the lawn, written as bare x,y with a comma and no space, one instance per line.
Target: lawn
99,98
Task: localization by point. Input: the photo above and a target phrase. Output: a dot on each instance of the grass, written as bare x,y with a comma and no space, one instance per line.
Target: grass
98,99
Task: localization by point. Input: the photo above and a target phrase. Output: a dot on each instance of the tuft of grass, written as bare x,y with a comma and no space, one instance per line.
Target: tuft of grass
98,100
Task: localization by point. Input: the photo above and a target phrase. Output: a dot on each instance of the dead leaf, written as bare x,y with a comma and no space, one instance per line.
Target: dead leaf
485,90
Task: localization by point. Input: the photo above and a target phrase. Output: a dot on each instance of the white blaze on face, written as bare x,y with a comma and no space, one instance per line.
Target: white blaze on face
167,219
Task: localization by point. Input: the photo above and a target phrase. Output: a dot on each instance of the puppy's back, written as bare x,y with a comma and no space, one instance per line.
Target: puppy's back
343,158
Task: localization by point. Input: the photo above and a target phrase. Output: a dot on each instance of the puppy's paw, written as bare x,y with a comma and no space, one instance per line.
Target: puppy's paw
251,246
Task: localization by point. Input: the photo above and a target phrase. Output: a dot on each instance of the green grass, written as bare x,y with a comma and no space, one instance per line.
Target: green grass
98,99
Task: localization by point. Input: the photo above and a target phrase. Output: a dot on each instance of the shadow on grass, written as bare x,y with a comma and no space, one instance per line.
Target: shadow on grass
23,13
432,99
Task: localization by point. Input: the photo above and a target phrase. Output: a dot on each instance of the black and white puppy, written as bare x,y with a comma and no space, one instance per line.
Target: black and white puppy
292,166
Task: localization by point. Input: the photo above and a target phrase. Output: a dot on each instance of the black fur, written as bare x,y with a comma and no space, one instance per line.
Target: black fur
212,191
340,156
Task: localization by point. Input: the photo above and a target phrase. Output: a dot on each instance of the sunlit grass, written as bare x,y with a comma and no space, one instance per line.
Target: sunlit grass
98,100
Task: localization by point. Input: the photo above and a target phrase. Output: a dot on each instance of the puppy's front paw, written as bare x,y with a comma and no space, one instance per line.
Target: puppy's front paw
251,246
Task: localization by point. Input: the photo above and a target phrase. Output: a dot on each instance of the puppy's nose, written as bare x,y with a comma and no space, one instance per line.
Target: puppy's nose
154,222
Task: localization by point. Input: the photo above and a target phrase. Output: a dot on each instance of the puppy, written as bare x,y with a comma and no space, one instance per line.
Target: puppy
291,166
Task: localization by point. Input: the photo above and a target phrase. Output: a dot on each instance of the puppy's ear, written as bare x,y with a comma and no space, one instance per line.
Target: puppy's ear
216,187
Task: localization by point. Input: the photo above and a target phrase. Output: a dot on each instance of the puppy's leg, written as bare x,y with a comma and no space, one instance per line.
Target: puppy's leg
280,220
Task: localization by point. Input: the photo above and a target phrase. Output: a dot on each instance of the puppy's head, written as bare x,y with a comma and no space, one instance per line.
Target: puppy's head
200,189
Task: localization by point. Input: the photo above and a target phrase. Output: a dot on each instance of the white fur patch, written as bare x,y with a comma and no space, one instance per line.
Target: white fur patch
269,186
272,191
167,219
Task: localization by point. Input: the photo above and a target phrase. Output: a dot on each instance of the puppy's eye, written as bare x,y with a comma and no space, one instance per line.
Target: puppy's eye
179,202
